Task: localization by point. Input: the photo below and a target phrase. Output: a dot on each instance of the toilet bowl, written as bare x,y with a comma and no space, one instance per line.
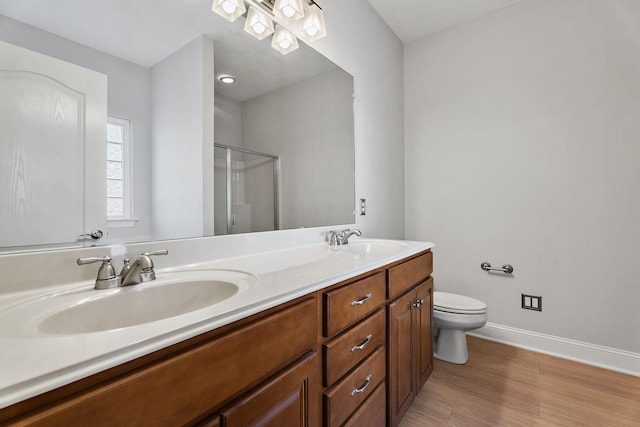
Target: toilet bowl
453,315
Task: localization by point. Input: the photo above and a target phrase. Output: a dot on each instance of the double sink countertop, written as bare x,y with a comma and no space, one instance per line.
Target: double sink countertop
40,352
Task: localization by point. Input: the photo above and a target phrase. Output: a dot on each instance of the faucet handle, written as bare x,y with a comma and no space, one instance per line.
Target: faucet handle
159,252
91,260
106,278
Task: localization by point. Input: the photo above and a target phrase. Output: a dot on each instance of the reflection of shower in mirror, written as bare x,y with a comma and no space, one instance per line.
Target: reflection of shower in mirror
245,191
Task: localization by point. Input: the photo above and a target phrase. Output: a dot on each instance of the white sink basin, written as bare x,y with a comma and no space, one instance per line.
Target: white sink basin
87,310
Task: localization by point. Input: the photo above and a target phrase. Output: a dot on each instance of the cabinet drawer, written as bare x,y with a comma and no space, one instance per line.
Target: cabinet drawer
343,398
348,349
372,412
408,274
346,305
180,389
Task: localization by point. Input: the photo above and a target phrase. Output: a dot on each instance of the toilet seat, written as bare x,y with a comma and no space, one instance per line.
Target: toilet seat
459,304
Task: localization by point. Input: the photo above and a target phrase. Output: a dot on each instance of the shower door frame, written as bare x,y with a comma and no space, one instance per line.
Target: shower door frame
276,183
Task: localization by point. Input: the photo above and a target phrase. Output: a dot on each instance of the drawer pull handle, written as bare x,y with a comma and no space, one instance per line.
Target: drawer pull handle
361,301
364,386
363,345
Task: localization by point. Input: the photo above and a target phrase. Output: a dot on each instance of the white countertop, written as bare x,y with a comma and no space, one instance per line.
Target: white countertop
34,364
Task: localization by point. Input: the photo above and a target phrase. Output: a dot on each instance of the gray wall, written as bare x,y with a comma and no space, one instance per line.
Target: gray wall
522,147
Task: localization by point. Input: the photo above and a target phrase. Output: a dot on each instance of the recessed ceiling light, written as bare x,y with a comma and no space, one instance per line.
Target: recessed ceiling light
227,79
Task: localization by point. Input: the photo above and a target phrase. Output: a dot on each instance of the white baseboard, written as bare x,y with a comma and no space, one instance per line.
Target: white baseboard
604,357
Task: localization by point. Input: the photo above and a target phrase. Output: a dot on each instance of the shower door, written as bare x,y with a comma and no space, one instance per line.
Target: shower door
245,191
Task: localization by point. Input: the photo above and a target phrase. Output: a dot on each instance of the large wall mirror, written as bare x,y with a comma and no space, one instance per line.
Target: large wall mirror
170,151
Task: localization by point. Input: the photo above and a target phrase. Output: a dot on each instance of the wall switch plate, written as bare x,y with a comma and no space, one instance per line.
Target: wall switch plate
532,302
363,206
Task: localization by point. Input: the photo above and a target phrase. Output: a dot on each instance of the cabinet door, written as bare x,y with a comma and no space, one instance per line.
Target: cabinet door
281,401
401,365
423,341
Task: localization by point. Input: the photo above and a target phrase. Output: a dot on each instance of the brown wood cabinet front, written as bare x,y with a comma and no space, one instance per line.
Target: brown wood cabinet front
410,351
341,400
345,305
372,413
349,348
423,338
282,401
408,274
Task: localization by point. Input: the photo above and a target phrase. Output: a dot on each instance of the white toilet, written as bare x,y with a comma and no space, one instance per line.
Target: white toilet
453,315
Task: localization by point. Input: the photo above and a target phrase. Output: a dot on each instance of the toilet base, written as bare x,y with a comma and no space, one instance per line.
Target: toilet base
451,346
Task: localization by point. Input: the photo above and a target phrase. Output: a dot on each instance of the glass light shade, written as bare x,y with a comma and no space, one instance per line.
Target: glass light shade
283,41
289,10
258,24
312,25
230,9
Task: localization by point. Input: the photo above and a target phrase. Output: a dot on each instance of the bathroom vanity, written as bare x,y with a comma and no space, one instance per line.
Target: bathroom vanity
325,336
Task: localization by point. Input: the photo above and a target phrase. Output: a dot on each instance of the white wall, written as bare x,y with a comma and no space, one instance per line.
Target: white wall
522,147
360,42
182,110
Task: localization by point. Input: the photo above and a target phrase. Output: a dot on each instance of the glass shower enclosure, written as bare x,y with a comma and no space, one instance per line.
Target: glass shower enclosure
245,190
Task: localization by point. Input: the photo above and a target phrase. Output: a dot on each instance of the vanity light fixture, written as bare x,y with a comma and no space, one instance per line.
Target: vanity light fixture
283,41
265,17
230,9
258,24
227,79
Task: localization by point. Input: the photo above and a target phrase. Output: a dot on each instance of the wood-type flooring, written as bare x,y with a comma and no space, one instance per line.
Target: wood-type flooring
508,386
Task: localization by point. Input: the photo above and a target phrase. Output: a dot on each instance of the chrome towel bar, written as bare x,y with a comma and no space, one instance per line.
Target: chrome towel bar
506,269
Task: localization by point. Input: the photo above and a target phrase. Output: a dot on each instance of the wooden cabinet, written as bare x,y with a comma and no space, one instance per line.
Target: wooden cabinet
348,304
342,399
281,401
410,354
423,339
372,413
354,355
348,349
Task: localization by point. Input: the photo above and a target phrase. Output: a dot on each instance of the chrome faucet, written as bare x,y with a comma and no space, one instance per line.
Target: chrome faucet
339,238
141,270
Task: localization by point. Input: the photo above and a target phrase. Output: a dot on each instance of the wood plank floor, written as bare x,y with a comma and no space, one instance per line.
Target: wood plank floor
507,386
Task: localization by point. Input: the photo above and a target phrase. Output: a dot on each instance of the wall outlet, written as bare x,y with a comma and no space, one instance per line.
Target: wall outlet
363,206
532,302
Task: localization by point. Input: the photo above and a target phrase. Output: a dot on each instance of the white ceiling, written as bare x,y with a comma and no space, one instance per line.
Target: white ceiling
414,19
